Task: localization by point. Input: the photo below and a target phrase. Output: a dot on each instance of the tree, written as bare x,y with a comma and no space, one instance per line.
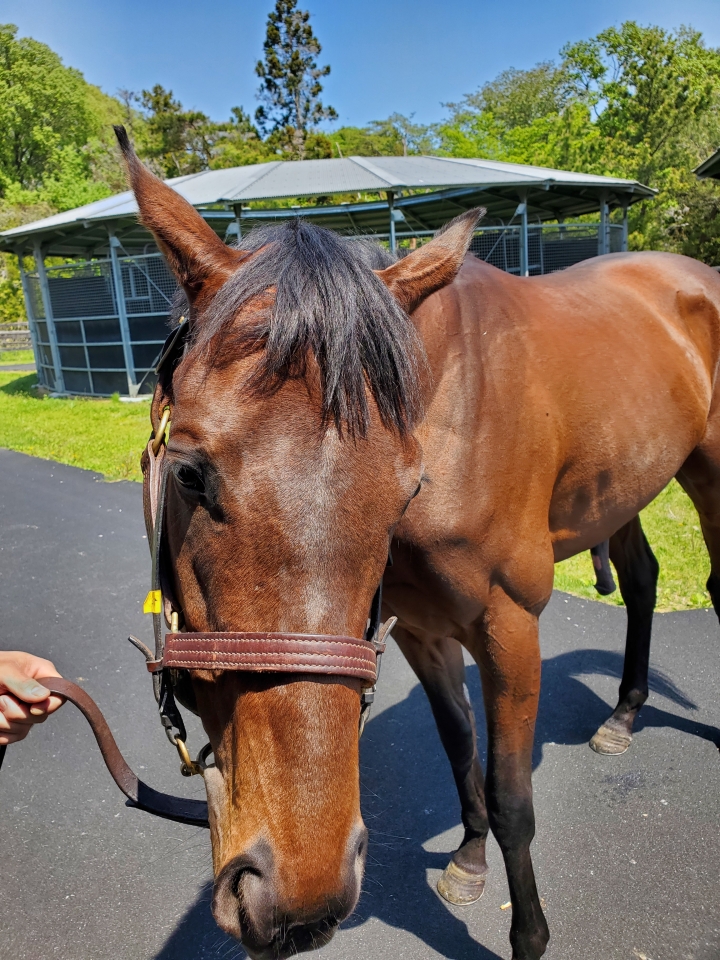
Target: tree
635,102
516,98
290,78
175,140
43,108
238,143
645,87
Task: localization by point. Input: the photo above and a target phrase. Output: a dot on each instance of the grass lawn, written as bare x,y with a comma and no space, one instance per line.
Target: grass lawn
108,436
16,356
103,435
673,531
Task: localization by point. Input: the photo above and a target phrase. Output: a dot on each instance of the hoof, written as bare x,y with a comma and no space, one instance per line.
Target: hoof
460,887
610,741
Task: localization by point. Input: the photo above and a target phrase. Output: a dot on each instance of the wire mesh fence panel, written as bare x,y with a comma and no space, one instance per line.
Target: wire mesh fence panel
499,246
562,245
148,285
34,293
616,238
82,290
36,317
148,288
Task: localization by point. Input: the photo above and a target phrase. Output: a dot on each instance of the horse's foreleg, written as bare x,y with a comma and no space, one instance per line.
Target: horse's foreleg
508,653
438,665
637,571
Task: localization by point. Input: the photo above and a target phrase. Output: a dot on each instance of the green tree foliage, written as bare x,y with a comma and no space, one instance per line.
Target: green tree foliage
238,143
43,108
290,85
635,102
176,141
55,145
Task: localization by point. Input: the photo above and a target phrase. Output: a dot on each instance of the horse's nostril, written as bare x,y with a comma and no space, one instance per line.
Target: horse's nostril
236,882
361,841
243,890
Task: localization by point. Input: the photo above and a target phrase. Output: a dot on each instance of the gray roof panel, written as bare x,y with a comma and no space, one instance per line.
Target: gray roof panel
503,182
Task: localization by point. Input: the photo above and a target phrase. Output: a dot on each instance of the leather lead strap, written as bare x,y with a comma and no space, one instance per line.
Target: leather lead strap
139,794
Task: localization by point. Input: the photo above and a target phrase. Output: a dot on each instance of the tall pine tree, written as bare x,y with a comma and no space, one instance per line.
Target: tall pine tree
290,85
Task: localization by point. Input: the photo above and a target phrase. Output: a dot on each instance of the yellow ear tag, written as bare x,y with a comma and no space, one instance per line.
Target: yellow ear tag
153,602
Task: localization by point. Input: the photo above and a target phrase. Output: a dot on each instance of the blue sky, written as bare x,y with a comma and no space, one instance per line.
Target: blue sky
408,56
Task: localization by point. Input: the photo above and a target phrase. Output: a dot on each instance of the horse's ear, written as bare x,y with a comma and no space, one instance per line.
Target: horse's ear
196,255
434,265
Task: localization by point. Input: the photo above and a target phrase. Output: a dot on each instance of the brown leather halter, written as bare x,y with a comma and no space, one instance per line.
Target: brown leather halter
176,652
275,652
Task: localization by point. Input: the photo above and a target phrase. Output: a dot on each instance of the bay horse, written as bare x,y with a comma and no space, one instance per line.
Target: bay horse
333,403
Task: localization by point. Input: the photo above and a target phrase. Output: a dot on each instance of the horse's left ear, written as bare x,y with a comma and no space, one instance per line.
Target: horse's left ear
196,255
434,265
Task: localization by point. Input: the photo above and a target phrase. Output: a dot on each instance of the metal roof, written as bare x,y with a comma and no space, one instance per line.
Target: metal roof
447,185
710,167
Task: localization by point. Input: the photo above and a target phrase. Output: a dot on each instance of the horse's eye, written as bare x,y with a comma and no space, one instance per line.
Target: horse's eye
190,479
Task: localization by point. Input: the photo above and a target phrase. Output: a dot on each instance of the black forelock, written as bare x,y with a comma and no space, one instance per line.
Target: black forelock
328,304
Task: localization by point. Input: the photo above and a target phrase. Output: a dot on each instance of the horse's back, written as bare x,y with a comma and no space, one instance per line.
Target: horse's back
591,386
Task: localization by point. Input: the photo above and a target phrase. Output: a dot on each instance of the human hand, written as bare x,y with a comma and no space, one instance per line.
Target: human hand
23,701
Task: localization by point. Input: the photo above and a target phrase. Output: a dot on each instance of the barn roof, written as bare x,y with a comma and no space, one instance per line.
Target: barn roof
710,167
428,191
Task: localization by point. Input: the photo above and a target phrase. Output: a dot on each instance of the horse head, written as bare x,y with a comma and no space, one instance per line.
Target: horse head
291,459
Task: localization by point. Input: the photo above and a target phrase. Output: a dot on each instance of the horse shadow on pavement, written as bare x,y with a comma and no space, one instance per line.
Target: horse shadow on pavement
408,798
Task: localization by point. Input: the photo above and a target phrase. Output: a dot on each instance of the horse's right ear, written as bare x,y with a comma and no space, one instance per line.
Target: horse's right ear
434,265
196,255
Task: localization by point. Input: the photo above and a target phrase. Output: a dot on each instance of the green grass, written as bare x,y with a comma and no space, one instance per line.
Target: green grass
108,436
16,356
673,531
102,435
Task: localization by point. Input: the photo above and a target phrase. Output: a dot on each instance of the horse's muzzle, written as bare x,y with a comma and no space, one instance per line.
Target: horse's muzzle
248,903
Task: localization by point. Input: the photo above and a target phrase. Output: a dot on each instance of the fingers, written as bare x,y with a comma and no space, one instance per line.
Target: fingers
16,718
18,675
23,701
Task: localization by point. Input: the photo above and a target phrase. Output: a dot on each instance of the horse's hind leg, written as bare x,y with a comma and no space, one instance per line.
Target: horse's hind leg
700,478
604,582
637,571
438,664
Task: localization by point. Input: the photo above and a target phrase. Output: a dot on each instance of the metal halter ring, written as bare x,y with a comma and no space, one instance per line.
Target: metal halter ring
189,767
160,433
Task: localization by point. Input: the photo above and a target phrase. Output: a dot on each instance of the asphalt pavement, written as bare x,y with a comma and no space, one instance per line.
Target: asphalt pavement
627,851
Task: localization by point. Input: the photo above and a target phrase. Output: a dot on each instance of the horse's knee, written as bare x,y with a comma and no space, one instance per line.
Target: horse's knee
512,818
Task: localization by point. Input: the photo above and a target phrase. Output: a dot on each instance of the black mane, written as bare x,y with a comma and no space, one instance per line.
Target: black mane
328,304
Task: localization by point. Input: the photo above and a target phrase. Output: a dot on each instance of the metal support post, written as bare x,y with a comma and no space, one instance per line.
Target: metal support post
524,252
49,318
391,201
624,240
31,319
122,316
603,238
238,222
